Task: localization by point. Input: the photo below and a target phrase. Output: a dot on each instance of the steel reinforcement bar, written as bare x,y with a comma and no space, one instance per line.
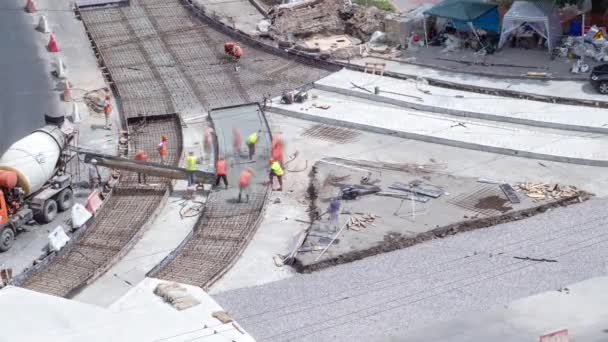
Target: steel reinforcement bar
119,224
128,42
225,227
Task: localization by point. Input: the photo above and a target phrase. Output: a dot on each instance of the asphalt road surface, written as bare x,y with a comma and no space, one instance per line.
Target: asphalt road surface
26,87
383,297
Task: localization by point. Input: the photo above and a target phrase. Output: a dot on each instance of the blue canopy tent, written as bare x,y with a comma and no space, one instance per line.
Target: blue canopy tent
466,15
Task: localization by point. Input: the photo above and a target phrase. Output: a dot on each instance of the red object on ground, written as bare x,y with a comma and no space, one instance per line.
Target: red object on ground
556,336
245,178
236,138
8,179
30,7
53,47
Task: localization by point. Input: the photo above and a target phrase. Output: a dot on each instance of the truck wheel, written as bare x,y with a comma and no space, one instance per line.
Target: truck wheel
603,88
65,199
49,211
7,237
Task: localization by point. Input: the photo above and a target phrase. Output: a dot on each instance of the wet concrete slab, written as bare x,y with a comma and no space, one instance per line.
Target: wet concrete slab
392,223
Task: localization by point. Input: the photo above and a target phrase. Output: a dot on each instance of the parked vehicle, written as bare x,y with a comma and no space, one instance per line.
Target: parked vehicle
599,78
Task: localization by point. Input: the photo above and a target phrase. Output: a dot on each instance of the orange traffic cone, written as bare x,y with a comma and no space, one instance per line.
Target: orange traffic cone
67,91
30,7
53,47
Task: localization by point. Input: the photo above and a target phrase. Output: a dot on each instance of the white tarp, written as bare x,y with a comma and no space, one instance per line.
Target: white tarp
543,17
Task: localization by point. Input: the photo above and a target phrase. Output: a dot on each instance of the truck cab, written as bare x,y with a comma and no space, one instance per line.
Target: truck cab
12,218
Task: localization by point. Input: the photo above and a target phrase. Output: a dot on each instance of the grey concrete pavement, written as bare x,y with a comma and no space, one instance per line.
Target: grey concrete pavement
390,294
418,95
29,91
483,135
580,308
566,89
280,224
26,91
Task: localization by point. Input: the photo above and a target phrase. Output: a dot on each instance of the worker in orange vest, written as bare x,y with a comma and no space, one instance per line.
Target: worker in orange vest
207,143
141,156
162,148
220,171
237,140
107,110
244,180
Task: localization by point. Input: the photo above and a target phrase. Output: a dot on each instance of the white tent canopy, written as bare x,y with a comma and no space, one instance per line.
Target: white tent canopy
543,17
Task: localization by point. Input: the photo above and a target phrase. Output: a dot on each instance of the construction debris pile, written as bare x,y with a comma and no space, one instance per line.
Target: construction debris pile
324,17
545,191
358,222
176,295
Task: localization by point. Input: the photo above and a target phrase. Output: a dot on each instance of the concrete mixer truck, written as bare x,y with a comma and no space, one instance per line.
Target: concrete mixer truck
33,182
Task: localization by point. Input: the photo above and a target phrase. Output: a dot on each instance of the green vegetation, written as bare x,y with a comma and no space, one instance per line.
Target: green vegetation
384,5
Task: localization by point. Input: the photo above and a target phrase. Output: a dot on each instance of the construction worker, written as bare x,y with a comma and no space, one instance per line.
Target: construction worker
237,140
162,148
107,110
228,47
93,177
252,139
141,156
244,180
220,170
334,212
276,170
207,141
191,168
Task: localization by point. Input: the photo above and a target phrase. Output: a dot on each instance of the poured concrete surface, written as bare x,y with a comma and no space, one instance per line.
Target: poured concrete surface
566,89
582,308
531,142
139,315
464,200
279,227
418,95
239,14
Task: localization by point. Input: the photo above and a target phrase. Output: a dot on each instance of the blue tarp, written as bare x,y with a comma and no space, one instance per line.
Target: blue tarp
461,12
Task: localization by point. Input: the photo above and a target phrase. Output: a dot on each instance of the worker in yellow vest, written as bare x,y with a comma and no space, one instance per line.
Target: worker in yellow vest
252,139
191,167
276,170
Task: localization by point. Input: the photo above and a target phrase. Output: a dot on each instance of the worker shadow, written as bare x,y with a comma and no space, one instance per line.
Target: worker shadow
96,127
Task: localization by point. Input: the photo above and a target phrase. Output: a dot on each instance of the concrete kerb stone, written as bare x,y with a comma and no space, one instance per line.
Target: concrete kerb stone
399,242
442,141
486,90
460,113
488,74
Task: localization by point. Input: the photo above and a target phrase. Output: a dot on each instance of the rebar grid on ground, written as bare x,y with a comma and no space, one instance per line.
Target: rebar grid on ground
162,45
116,227
163,59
